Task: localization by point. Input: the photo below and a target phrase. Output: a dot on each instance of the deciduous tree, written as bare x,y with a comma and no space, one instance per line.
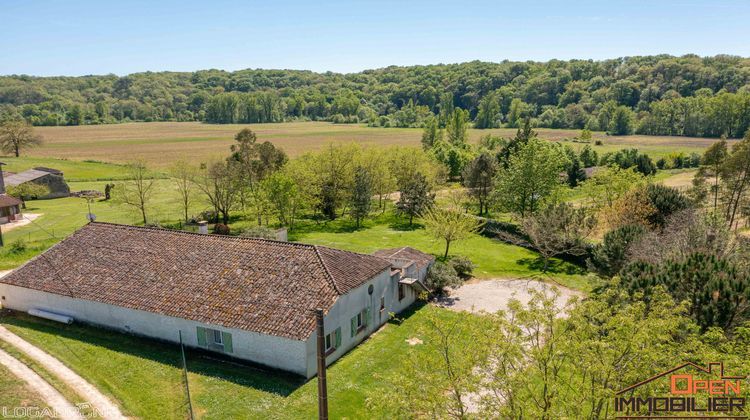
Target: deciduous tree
479,179
138,189
449,225
532,175
415,196
16,135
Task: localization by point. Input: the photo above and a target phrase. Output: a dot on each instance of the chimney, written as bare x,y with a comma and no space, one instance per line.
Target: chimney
2,181
203,227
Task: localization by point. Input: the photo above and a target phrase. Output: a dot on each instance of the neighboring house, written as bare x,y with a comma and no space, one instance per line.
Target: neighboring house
10,207
252,299
52,178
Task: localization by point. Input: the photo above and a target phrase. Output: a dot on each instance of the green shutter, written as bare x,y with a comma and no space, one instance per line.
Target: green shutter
354,326
338,337
227,339
201,336
366,321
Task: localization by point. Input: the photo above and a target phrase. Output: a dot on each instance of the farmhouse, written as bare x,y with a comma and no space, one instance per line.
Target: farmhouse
248,298
52,178
10,207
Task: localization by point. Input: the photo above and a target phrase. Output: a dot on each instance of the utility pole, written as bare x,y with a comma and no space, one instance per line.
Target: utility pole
322,386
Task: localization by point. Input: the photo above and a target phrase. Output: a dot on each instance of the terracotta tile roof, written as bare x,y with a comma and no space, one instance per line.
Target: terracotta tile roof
259,285
8,201
421,259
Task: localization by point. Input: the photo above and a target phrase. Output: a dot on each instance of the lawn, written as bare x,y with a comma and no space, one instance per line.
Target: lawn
72,170
493,258
63,216
144,376
161,143
15,393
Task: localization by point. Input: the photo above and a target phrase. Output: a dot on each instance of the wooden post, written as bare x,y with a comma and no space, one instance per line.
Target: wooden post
322,386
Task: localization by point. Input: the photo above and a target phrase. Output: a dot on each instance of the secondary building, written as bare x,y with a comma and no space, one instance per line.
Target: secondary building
252,299
51,178
10,207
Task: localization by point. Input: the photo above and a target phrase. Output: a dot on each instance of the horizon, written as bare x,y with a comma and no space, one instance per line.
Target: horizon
88,38
374,68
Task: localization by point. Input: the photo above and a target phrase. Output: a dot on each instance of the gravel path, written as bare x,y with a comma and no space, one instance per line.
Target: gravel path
54,399
493,295
100,403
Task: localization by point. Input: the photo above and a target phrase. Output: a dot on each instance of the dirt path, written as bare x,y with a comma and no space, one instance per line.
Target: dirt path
493,295
99,402
54,399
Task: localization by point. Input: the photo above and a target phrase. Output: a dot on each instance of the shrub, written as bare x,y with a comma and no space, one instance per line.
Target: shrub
17,247
610,256
462,265
666,201
259,232
440,276
221,229
598,143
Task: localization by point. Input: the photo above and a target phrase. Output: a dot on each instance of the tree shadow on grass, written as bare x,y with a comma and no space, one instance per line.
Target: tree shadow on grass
554,267
407,313
198,361
403,225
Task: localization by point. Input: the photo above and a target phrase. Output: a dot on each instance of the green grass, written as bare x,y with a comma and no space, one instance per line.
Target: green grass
72,170
61,217
15,393
144,376
66,391
493,258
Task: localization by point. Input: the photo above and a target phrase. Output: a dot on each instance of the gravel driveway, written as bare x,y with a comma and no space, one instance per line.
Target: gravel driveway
493,295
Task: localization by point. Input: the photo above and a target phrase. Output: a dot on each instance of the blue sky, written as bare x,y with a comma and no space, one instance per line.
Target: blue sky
121,37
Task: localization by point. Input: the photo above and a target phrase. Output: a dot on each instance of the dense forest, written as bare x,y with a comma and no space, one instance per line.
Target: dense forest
684,96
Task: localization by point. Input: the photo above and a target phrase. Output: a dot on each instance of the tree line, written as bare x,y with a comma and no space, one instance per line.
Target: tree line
688,95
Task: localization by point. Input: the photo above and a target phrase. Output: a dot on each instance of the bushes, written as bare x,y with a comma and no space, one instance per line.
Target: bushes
221,229
17,247
448,274
440,276
609,257
666,201
462,265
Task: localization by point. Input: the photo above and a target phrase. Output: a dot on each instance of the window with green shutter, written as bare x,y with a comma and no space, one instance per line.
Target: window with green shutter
201,336
366,320
338,337
354,326
227,339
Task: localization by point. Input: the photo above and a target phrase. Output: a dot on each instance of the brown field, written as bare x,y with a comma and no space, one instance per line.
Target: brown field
160,144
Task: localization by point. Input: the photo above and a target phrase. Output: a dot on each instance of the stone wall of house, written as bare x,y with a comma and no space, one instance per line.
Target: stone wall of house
275,352
56,184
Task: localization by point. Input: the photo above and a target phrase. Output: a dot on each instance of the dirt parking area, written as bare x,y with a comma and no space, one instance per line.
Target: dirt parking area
493,295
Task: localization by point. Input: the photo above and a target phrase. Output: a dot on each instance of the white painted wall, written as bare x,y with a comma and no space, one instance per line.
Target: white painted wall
350,305
292,355
276,352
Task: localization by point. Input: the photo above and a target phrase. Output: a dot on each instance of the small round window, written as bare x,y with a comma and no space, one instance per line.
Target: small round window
370,289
